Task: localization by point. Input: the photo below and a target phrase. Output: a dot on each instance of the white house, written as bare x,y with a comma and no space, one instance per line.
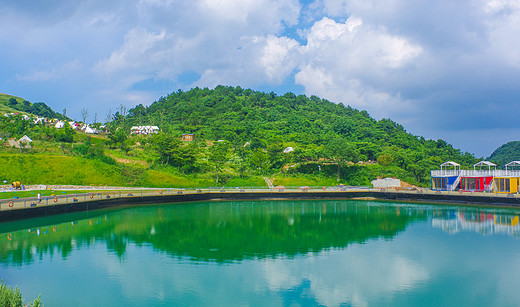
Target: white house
25,139
59,124
89,130
144,129
288,149
74,125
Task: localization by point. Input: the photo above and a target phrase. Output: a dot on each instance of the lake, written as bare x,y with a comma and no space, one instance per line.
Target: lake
267,253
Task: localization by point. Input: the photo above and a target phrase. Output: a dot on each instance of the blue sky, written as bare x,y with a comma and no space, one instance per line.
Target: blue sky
443,69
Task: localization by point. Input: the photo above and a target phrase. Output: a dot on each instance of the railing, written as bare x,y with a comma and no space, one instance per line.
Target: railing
70,199
477,173
455,184
445,173
28,202
506,173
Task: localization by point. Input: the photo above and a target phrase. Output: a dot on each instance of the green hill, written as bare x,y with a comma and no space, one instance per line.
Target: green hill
241,136
506,153
13,104
317,129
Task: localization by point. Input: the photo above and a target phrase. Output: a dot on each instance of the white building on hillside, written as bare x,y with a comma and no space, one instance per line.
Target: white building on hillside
90,130
144,130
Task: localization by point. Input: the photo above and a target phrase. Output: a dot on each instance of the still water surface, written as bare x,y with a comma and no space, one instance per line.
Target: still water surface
267,253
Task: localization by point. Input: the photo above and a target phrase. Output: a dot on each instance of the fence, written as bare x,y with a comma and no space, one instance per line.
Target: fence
28,202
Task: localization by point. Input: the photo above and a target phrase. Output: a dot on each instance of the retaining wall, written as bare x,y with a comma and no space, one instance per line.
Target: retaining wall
29,207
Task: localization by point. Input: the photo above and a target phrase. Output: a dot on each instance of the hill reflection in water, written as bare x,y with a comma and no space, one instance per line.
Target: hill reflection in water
267,253
220,232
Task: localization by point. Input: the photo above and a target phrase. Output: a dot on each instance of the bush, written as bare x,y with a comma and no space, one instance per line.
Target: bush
13,298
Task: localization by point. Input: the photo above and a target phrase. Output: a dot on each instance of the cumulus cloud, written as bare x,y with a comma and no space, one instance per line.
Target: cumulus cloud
278,58
410,61
354,63
56,73
138,43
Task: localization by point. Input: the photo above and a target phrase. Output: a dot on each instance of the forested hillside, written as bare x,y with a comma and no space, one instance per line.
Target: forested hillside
259,125
506,153
11,104
241,137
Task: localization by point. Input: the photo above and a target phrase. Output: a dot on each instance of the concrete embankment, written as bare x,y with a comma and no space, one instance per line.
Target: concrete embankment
30,207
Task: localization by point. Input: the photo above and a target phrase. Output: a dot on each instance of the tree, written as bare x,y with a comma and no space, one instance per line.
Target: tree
65,134
219,155
276,155
385,160
173,152
118,136
339,151
84,114
259,160
242,155
26,106
164,145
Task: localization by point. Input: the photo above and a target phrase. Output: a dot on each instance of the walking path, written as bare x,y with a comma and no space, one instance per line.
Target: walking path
269,182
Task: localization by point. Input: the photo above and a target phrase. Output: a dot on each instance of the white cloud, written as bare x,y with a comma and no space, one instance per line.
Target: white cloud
135,53
351,62
399,59
244,11
279,56
52,74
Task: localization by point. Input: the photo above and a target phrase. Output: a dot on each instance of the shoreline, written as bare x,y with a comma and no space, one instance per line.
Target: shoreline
13,209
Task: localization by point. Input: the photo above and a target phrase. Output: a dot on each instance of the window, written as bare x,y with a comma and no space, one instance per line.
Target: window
502,185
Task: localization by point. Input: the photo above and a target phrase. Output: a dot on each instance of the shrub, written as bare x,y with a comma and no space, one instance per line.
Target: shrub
10,297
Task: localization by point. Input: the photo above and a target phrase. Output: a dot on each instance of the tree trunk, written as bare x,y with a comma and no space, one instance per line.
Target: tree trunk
338,171
216,169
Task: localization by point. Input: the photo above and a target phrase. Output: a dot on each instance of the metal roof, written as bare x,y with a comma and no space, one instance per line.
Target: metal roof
450,163
513,163
485,163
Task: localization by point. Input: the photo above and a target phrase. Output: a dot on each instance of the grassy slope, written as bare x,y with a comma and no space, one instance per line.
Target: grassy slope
66,170
4,98
53,169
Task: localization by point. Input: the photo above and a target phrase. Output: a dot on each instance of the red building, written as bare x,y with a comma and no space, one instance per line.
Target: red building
479,179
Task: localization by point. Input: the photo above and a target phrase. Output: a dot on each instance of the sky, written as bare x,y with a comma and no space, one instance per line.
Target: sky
443,69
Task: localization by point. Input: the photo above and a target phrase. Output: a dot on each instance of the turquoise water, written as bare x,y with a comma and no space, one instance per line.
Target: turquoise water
267,253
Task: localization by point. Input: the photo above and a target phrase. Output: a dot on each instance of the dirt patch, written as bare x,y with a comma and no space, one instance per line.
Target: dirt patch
128,161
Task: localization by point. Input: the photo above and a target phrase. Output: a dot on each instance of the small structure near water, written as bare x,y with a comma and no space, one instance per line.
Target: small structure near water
507,181
386,183
447,178
479,179
484,177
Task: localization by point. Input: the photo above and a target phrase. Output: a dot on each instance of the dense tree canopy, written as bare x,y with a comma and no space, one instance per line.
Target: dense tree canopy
316,127
241,134
38,108
506,153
